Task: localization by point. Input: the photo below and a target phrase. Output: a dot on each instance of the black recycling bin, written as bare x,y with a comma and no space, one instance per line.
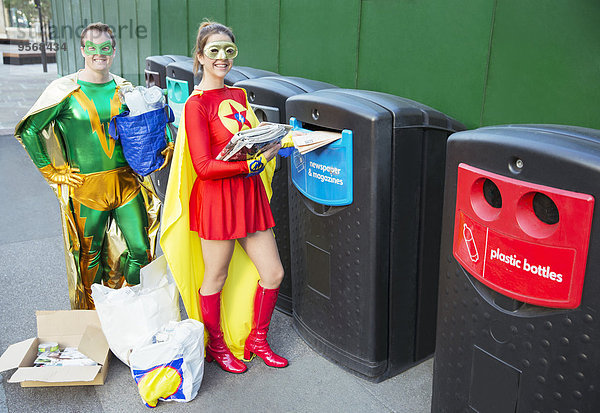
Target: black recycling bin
179,80
156,75
155,72
518,292
365,214
239,73
180,84
267,96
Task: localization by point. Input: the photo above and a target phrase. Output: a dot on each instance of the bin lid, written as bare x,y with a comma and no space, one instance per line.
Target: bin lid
407,113
564,131
184,70
326,108
178,57
234,76
156,63
270,90
275,90
251,72
182,66
306,85
161,61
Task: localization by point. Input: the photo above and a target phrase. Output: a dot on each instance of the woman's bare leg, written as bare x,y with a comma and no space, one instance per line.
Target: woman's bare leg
262,250
217,255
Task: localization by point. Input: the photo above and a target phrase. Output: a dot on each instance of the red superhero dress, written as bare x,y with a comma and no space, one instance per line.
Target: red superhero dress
225,203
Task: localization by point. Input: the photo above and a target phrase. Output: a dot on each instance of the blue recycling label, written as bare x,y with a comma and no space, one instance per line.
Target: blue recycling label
324,175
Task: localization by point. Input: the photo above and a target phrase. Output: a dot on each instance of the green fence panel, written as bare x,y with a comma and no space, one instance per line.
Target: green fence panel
54,35
147,34
256,27
545,62
128,35
198,10
85,10
430,51
97,11
155,29
173,27
319,40
482,62
112,18
65,35
77,23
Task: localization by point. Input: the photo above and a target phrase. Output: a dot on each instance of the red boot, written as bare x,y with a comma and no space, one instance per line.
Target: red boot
264,303
210,305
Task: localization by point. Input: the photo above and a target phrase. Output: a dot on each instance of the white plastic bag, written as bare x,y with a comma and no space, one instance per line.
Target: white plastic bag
130,314
140,99
169,365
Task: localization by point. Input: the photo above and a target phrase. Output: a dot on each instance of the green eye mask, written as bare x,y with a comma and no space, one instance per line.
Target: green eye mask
105,48
220,50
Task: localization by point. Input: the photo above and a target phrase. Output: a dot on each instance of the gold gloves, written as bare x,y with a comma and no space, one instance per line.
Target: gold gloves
62,175
168,154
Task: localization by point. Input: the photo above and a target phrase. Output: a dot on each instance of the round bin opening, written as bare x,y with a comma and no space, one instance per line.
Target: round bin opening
261,115
491,193
178,92
545,209
537,215
486,199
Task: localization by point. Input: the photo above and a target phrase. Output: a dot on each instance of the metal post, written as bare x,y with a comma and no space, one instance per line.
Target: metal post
43,45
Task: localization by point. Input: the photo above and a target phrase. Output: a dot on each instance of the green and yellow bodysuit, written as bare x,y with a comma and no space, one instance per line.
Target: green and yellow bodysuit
69,129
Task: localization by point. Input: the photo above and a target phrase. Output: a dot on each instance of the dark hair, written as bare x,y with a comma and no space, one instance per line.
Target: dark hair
101,27
206,29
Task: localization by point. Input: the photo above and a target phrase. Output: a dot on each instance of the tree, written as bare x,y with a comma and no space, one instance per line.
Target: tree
27,7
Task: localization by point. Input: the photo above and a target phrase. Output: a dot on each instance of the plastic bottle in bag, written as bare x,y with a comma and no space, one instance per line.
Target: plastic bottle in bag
140,99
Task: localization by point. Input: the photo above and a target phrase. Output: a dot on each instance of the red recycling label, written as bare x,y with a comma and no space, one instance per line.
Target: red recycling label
529,272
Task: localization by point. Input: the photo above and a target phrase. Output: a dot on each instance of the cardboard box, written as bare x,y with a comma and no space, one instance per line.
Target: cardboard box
76,328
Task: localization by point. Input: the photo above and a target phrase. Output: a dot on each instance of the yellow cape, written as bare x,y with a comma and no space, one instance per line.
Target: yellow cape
56,92
183,251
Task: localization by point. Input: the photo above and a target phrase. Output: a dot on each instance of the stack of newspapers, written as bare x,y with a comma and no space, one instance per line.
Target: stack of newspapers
250,143
313,140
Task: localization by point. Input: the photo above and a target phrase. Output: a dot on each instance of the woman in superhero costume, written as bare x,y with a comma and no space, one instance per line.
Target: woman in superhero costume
88,170
227,204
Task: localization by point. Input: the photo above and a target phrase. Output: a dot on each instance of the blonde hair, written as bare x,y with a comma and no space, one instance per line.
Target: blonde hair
206,29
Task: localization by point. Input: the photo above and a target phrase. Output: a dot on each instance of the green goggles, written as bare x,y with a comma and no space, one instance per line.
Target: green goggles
220,50
105,48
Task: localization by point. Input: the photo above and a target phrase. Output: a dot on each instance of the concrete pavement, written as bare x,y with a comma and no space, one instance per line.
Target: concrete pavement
32,277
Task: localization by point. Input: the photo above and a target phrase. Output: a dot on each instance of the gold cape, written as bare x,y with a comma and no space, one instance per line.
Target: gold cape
183,250
57,91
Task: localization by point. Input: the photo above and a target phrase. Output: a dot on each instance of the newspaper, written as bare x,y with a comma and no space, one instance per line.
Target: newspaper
250,143
313,140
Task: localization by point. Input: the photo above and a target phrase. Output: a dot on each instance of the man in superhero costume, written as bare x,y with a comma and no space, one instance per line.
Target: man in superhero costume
108,216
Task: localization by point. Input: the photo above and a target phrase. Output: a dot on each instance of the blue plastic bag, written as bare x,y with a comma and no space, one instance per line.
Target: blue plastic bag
143,138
